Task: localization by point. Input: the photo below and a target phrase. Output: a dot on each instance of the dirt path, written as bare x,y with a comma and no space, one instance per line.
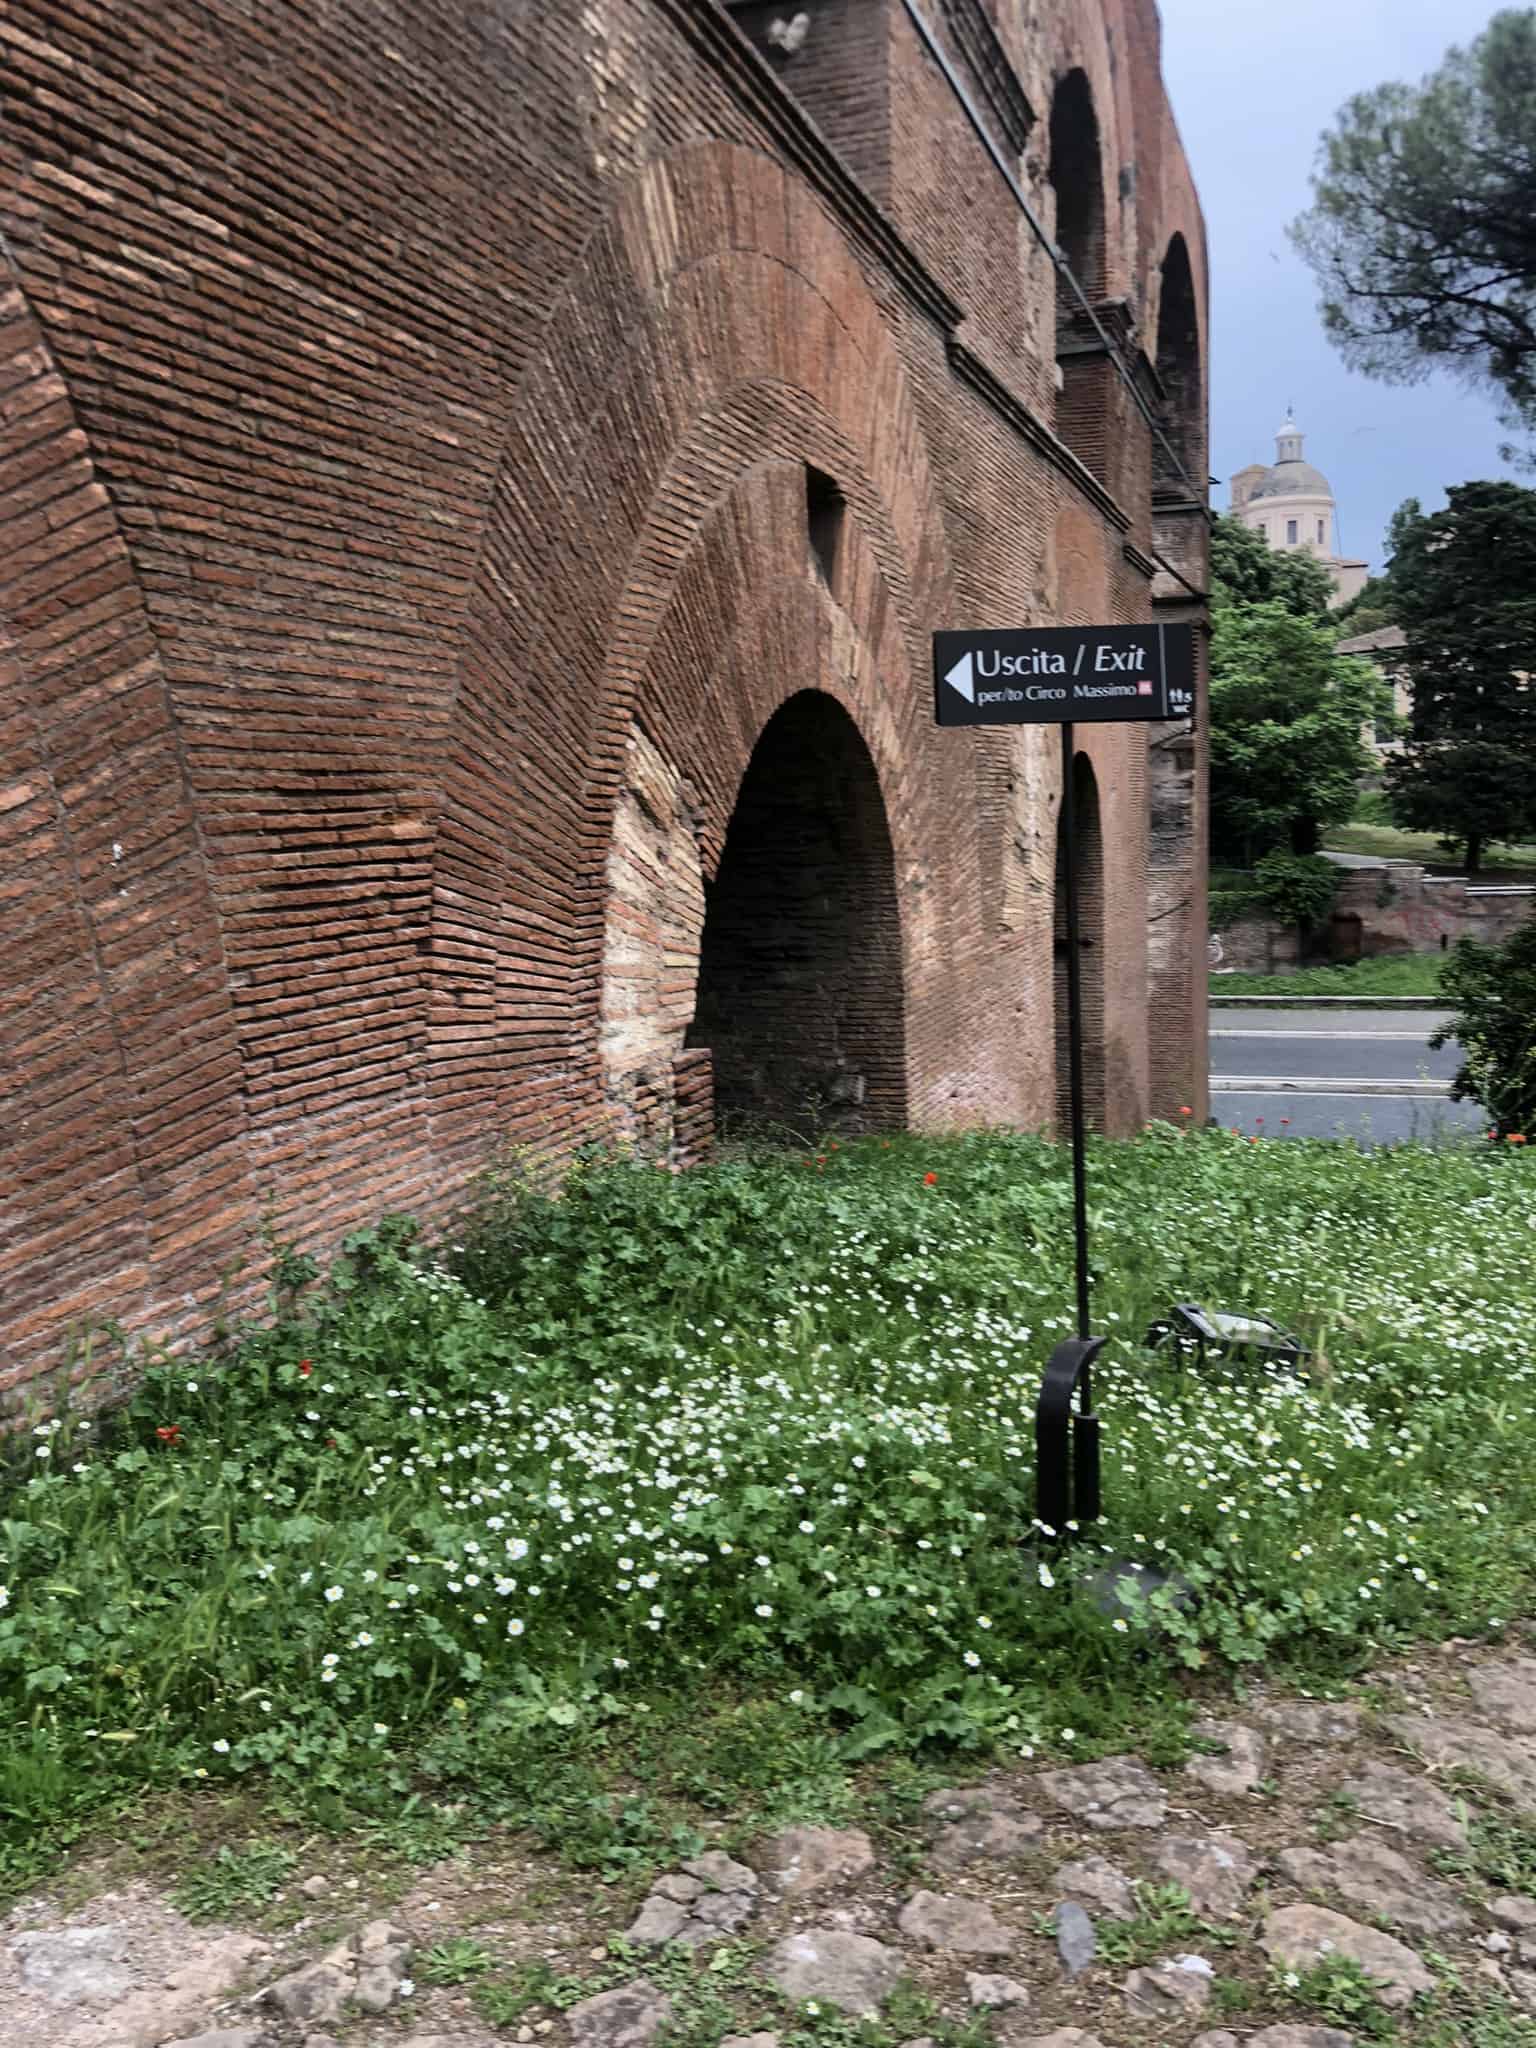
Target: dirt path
1395,1831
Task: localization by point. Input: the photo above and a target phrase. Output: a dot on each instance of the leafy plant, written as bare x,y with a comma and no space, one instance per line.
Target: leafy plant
233,1878
1162,1921
1297,887
1344,1994
709,1489
454,1962
1494,991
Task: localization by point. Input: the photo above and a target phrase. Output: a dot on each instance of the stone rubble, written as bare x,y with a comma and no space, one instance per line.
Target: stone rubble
630,2017
1076,1942
1298,1937
709,1898
1119,1792
1316,1723
1366,1873
989,1993
1404,1801
1449,1744
1240,1763
1217,1871
1171,1991
127,1972
804,1860
966,1927
851,1971
1097,1881
364,1972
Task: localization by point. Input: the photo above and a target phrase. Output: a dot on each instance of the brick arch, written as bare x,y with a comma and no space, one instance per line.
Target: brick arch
1180,365
716,322
1076,171
751,624
800,998
126,1139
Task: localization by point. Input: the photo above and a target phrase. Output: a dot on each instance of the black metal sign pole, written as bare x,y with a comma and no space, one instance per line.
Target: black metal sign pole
1075,1043
1053,675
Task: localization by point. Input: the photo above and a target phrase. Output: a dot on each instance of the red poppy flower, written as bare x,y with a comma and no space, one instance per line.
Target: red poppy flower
169,1432
1186,1110
930,1180
305,1368
1514,1138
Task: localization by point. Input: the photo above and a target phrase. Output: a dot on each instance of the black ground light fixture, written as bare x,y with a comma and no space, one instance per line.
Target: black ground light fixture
1202,1336
1064,675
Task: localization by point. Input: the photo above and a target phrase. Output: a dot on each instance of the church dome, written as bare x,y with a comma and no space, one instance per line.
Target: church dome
1291,477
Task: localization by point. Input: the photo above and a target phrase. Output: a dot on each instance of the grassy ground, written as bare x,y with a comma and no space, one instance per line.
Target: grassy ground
1390,842
1395,974
717,1482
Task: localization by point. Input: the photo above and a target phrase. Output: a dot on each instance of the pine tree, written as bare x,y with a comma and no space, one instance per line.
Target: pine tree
1464,587
1422,233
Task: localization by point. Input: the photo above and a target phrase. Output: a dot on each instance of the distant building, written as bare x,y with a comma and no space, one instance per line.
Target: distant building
1291,504
1385,647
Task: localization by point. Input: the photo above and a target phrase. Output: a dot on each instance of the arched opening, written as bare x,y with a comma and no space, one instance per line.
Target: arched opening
1178,373
800,986
1083,408
1090,935
1078,182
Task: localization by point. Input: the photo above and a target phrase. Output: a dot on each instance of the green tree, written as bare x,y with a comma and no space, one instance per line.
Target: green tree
1422,234
1494,990
1286,719
1247,570
1371,608
1464,584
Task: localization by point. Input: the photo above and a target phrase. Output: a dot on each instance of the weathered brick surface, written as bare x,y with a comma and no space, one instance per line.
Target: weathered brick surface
406,413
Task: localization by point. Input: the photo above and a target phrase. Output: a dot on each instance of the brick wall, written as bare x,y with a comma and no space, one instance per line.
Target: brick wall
407,410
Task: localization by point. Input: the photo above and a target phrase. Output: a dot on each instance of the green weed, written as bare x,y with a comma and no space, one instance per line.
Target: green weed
1162,1921
453,1962
1339,1991
233,1878
715,1490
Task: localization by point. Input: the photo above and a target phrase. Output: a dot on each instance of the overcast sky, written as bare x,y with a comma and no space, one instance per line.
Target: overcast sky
1253,86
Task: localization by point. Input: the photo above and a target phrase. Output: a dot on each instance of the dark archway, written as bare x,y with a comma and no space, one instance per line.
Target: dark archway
1078,181
1178,370
1090,926
800,980
1083,407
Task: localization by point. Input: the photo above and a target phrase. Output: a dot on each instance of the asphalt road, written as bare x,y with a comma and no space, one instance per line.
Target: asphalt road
1362,1074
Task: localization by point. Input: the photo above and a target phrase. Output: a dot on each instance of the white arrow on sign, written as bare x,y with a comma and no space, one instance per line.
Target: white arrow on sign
961,678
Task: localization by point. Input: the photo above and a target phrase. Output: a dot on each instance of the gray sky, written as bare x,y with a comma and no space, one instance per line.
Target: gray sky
1253,85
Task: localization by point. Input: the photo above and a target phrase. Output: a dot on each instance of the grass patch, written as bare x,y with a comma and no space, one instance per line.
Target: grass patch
1162,1922
1392,974
715,1490
1339,1991
1392,842
233,1880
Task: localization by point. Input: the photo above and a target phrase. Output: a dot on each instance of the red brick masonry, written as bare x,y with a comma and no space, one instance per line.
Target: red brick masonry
440,442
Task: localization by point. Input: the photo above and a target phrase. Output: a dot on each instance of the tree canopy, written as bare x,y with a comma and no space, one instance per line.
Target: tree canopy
1422,233
1372,607
1464,587
1245,569
1286,717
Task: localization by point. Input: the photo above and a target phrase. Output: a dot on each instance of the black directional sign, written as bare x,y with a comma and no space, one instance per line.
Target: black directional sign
1061,675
